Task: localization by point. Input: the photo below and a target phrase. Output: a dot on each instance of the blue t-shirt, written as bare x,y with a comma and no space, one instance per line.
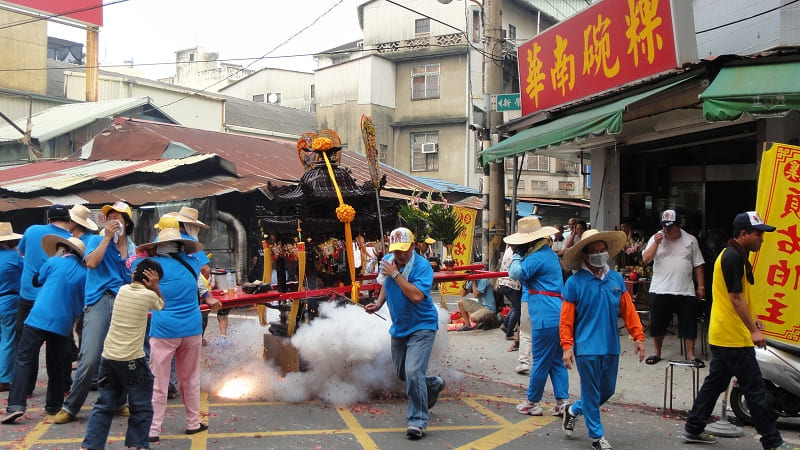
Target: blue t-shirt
596,311
540,271
60,299
10,272
486,298
408,317
181,314
110,273
30,247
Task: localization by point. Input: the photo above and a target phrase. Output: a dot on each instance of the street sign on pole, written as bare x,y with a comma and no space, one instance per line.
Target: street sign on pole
508,102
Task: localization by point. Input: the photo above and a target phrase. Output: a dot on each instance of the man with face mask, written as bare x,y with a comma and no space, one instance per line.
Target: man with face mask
594,296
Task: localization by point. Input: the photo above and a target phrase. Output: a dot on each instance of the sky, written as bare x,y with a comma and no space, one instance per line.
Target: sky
150,31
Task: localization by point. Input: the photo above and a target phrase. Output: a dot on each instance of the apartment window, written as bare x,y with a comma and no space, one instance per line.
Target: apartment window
512,32
425,81
258,98
565,166
425,151
382,151
476,26
191,56
538,185
539,163
422,26
566,186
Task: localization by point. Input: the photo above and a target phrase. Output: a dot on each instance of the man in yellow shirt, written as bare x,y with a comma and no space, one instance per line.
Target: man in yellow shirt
732,332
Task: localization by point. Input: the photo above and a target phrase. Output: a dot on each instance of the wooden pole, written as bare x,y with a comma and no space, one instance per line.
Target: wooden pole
92,62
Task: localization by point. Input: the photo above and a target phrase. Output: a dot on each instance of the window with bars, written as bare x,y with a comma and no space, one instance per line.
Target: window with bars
476,26
422,159
538,163
566,186
422,26
512,32
382,150
425,81
538,185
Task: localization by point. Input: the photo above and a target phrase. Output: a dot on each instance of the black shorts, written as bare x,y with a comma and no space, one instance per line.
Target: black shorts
663,306
223,312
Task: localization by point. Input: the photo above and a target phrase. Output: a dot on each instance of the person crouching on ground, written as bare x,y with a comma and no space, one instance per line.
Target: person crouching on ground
481,309
123,366
407,279
594,296
536,266
57,305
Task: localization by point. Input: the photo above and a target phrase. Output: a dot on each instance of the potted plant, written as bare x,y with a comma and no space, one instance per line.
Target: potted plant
445,226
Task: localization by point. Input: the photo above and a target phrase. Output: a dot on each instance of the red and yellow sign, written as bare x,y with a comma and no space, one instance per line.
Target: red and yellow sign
462,247
776,267
607,45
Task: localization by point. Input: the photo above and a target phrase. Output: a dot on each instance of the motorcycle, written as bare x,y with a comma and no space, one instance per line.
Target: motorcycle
780,368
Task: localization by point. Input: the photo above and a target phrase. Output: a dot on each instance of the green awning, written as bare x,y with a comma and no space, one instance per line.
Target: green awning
767,90
606,119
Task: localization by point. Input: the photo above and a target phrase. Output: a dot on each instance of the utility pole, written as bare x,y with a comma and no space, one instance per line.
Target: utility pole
493,84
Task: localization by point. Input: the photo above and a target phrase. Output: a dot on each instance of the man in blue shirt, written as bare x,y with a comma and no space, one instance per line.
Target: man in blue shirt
57,305
10,271
407,279
107,272
30,247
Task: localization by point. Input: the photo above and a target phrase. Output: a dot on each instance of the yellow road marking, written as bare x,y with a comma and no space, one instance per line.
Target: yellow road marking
355,427
34,435
200,440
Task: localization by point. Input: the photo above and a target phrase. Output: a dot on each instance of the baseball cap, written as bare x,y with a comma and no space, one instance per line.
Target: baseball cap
120,207
669,218
430,241
750,219
400,239
58,212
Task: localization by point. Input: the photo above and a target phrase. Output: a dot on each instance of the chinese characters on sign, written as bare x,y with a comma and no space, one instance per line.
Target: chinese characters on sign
462,247
508,102
607,45
777,267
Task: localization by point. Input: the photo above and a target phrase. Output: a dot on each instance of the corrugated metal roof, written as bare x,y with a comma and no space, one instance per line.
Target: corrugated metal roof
446,186
223,163
62,119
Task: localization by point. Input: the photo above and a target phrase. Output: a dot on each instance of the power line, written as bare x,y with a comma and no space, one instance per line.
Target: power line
55,16
746,18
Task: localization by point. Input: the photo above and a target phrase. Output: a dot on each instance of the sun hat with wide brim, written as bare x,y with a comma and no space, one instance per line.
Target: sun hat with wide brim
186,215
7,232
172,235
529,229
51,241
429,241
80,215
614,240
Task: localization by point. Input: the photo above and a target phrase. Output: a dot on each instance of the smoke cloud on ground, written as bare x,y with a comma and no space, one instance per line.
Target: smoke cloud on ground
347,353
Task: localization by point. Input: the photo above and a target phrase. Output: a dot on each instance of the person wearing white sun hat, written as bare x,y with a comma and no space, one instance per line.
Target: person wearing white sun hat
10,272
594,297
536,266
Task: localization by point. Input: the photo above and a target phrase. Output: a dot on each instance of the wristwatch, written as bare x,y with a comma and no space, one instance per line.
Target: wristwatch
395,274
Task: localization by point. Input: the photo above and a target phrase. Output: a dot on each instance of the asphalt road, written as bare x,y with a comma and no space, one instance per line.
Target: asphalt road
476,411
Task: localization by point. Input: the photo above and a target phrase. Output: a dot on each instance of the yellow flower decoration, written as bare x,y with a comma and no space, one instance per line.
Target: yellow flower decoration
322,143
345,213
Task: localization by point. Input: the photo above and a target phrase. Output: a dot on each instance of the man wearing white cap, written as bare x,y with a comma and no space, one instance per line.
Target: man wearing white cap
407,279
676,256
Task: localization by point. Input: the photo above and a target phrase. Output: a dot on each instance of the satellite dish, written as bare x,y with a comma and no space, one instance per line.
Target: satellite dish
272,98
444,2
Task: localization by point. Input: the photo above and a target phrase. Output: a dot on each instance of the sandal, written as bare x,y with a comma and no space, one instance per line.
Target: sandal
652,359
514,347
698,363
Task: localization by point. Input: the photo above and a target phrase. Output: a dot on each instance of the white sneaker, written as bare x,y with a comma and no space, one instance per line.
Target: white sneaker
530,408
522,369
558,408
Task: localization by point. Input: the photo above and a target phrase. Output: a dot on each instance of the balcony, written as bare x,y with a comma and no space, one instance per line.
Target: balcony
423,46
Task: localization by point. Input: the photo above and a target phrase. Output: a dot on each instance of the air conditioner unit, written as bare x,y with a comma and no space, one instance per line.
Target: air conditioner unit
430,148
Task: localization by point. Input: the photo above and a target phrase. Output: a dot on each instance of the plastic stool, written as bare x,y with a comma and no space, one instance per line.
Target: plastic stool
668,379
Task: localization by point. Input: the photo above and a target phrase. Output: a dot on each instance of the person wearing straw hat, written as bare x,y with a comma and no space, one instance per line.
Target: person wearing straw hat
177,329
30,247
107,271
10,272
407,279
123,366
58,304
80,224
536,267
594,297
188,218
733,332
